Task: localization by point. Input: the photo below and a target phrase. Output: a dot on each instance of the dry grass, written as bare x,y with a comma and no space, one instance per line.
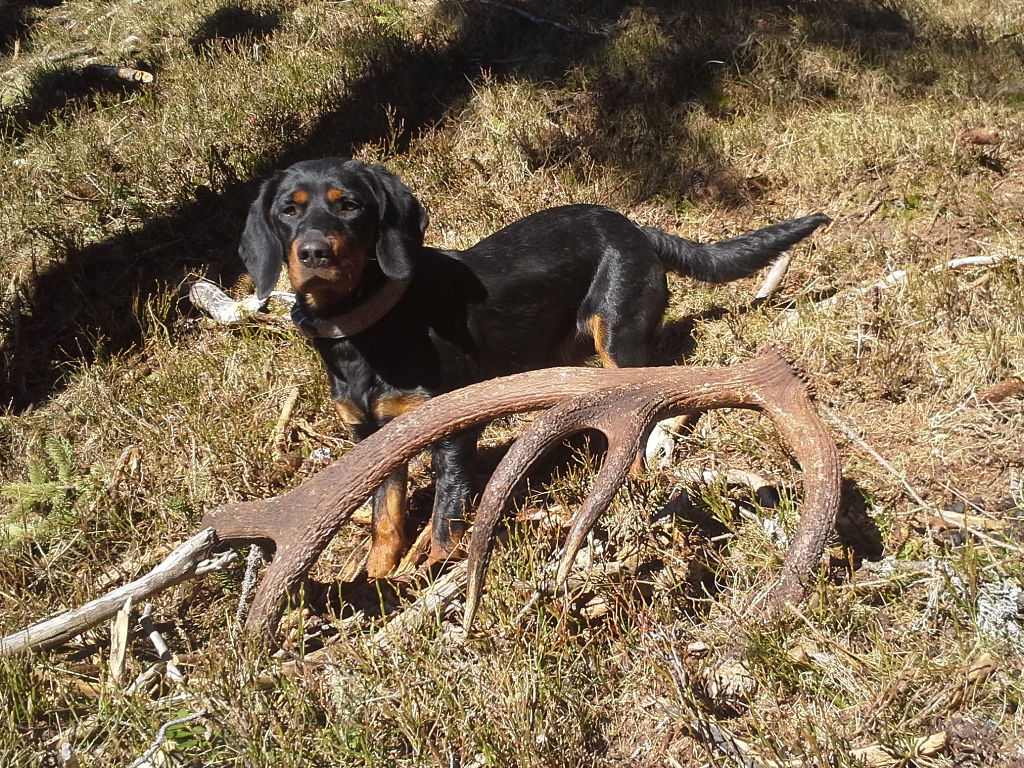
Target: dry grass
708,118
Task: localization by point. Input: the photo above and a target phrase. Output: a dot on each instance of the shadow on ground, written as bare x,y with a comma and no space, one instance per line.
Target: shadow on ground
671,63
15,20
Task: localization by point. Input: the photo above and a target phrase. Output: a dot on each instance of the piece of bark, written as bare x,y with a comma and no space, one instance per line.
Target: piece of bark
119,640
1012,387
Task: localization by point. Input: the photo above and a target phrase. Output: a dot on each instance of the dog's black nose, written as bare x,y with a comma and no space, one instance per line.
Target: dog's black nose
314,252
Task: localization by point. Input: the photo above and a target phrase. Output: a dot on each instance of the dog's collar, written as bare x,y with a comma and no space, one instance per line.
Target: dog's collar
354,321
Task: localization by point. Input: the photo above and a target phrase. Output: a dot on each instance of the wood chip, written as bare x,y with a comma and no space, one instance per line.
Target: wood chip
119,640
1012,387
944,519
981,137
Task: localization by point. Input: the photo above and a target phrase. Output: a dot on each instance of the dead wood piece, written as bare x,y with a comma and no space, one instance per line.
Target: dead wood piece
774,278
225,310
1012,387
899,277
162,651
190,560
127,74
621,403
279,437
119,641
432,602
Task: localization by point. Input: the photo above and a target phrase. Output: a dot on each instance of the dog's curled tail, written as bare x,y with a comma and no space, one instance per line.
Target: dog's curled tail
734,258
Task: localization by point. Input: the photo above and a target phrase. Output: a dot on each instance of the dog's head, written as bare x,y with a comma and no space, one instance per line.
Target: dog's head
334,222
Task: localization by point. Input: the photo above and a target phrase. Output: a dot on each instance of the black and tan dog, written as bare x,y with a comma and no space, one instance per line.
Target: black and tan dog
396,322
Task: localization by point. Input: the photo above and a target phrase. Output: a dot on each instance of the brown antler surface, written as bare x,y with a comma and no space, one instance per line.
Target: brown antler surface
621,403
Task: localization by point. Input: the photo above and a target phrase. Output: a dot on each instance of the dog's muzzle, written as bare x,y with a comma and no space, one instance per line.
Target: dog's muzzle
315,253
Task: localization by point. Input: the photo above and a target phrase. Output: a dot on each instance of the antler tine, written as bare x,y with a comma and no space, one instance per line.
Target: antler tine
625,420
622,414
548,428
609,479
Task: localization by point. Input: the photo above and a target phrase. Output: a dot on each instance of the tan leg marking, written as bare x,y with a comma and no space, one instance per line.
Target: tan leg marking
389,512
393,406
351,415
599,330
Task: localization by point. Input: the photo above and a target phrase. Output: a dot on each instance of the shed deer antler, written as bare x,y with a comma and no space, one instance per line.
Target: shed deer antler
621,403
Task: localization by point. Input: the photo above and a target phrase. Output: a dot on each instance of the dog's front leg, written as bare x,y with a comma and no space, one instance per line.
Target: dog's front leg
453,459
389,515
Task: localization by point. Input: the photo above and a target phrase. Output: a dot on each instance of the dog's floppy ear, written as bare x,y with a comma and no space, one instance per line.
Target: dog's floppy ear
260,247
402,224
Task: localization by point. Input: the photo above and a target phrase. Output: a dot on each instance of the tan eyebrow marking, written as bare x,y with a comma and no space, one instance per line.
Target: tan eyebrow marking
300,197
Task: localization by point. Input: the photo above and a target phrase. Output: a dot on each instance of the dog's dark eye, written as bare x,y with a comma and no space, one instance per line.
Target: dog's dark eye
349,205
289,210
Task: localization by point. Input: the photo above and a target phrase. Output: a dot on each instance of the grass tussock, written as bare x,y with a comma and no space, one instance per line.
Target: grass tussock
125,415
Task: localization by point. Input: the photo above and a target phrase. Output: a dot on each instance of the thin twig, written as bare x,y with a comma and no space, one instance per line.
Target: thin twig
540,20
162,651
252,564
853,436
834,418
899,277
161,737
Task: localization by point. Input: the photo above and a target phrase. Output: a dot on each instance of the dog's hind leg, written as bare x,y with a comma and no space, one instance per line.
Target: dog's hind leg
622,312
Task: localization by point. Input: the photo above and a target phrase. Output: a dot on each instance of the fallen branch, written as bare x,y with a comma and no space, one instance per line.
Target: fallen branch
127,74
432,602
899,277
145,761
190,560
533,19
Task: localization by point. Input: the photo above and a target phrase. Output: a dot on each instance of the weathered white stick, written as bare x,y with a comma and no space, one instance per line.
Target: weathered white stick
190,560
146,621
145,761
897,278
119,640
225,310
774,278
435,599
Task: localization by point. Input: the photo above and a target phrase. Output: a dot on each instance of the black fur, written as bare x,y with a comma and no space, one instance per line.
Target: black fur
515,301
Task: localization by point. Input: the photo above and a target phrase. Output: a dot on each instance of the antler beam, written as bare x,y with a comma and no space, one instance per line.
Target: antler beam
621,403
